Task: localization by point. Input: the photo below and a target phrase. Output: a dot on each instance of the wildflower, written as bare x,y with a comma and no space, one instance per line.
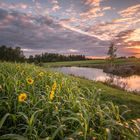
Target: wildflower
54,86
41,74
52,95
30,81
22,97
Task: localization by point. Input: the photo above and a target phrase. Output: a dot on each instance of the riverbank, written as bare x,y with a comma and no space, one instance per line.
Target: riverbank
129,83
117,96
122,67
113,94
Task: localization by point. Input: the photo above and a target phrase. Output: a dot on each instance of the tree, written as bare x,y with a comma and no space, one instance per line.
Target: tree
54,57
11,54
112,52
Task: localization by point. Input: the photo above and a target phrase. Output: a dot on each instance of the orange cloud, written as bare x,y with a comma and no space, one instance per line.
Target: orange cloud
93,2
131,11
134,36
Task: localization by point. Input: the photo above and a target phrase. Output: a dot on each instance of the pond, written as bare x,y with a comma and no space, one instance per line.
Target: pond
131,83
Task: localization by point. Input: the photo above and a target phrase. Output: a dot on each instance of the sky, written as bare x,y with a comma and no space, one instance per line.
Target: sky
71,26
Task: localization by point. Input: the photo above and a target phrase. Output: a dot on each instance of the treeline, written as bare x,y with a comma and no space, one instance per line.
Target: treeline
52,57
11,54
16,55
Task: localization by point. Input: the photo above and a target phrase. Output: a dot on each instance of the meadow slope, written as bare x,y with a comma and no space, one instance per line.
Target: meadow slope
37,104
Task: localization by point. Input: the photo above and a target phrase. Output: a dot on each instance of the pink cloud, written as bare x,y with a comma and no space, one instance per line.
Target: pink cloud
93,2
131,11
20,6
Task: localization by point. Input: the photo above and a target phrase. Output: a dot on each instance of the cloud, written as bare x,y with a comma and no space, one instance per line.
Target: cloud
56,6
129,20
93,10
41,33
93,2
134,36
12,6
76,27
131,11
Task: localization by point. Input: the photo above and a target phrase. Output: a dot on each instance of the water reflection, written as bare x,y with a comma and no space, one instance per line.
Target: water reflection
131,83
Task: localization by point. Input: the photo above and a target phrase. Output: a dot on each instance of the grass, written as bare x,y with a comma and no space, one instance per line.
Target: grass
117,96
74,63
36,104
94,63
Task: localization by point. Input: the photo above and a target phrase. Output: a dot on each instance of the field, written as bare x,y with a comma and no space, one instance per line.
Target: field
37,104
94,63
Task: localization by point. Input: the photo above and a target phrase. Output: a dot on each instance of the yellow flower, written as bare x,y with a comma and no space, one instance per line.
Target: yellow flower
30,81
52,95
41,74
22,97
54,86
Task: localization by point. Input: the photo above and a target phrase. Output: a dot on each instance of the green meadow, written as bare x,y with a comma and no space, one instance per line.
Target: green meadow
37,104
94,63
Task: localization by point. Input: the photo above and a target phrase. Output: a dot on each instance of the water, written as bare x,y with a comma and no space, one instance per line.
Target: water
131,83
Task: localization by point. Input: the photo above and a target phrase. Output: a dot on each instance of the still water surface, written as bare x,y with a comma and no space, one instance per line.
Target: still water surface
131,83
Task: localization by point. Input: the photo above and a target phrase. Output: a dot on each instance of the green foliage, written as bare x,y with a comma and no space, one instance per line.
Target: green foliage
16,55
53,57
11,54
74,113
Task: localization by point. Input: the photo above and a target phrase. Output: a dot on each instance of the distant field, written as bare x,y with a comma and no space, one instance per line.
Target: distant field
94,63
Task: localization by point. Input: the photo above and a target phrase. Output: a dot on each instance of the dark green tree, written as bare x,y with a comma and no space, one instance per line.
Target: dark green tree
11,54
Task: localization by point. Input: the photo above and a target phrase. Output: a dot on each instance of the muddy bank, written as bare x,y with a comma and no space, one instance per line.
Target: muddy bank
123,70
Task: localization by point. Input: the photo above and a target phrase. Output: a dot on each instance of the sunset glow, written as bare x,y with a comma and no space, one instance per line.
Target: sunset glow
134,36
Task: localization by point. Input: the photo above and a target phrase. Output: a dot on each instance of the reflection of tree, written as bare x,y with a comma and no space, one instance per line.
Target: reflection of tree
116,81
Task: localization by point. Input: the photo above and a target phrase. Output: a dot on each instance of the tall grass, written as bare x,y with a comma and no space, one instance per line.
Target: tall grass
71,113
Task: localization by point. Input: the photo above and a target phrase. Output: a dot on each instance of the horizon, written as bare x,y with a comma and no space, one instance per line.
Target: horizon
71,27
